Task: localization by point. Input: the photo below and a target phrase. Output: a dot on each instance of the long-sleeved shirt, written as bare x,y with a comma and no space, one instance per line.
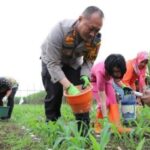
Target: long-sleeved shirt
55,55
102,82
131,76
134,72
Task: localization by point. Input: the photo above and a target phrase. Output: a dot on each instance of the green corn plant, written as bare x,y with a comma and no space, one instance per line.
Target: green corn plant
69,137
103,140
140,145
142,123
95,144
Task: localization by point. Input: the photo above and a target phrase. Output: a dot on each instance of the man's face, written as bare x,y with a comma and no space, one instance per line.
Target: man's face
89,27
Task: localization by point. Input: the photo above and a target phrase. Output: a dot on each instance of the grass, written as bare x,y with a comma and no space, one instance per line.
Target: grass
27,130
12,137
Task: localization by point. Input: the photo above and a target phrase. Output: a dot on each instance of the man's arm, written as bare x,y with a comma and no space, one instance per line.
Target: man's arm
51,55
65,82
86,68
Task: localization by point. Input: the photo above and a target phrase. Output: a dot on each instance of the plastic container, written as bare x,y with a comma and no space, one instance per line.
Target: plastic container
80,103
4,111
128,107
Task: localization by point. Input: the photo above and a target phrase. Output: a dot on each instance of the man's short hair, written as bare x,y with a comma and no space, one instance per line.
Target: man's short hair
92,9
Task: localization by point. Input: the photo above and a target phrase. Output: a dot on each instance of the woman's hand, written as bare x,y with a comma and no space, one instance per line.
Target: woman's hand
138,100
102,96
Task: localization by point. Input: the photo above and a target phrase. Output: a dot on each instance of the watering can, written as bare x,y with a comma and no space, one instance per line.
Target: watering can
128,106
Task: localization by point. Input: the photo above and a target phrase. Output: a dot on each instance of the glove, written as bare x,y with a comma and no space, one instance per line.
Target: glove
85,81
5,99
72,90
127,90
105,121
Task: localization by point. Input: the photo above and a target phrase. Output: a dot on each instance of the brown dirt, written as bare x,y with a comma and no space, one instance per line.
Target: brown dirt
8,127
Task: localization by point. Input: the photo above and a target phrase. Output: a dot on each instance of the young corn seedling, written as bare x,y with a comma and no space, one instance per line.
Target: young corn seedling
103,140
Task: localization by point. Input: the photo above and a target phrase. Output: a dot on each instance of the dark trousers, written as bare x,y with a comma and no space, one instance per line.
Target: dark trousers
54,92
10,100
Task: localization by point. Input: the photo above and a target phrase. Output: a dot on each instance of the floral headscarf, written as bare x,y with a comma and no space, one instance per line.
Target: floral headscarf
141,56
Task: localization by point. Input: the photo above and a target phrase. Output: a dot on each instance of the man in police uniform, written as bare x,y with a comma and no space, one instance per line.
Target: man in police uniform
67,56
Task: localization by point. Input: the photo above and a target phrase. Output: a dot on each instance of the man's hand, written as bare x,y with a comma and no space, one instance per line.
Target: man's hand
85,81
72,90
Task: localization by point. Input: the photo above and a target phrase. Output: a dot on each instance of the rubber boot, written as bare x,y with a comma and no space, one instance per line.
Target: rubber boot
114,117
83,121
97,125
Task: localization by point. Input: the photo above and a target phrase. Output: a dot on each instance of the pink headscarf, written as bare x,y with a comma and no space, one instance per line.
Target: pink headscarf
141,56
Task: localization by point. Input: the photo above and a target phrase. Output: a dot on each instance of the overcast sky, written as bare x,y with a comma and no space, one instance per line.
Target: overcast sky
24,24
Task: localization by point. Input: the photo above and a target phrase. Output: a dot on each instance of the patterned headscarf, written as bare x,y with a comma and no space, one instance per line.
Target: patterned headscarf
141,56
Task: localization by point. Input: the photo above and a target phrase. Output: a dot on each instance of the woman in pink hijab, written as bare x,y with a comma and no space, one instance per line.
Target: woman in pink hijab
136,70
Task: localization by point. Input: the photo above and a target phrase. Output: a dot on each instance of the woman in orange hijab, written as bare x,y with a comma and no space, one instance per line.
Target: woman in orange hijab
136,70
